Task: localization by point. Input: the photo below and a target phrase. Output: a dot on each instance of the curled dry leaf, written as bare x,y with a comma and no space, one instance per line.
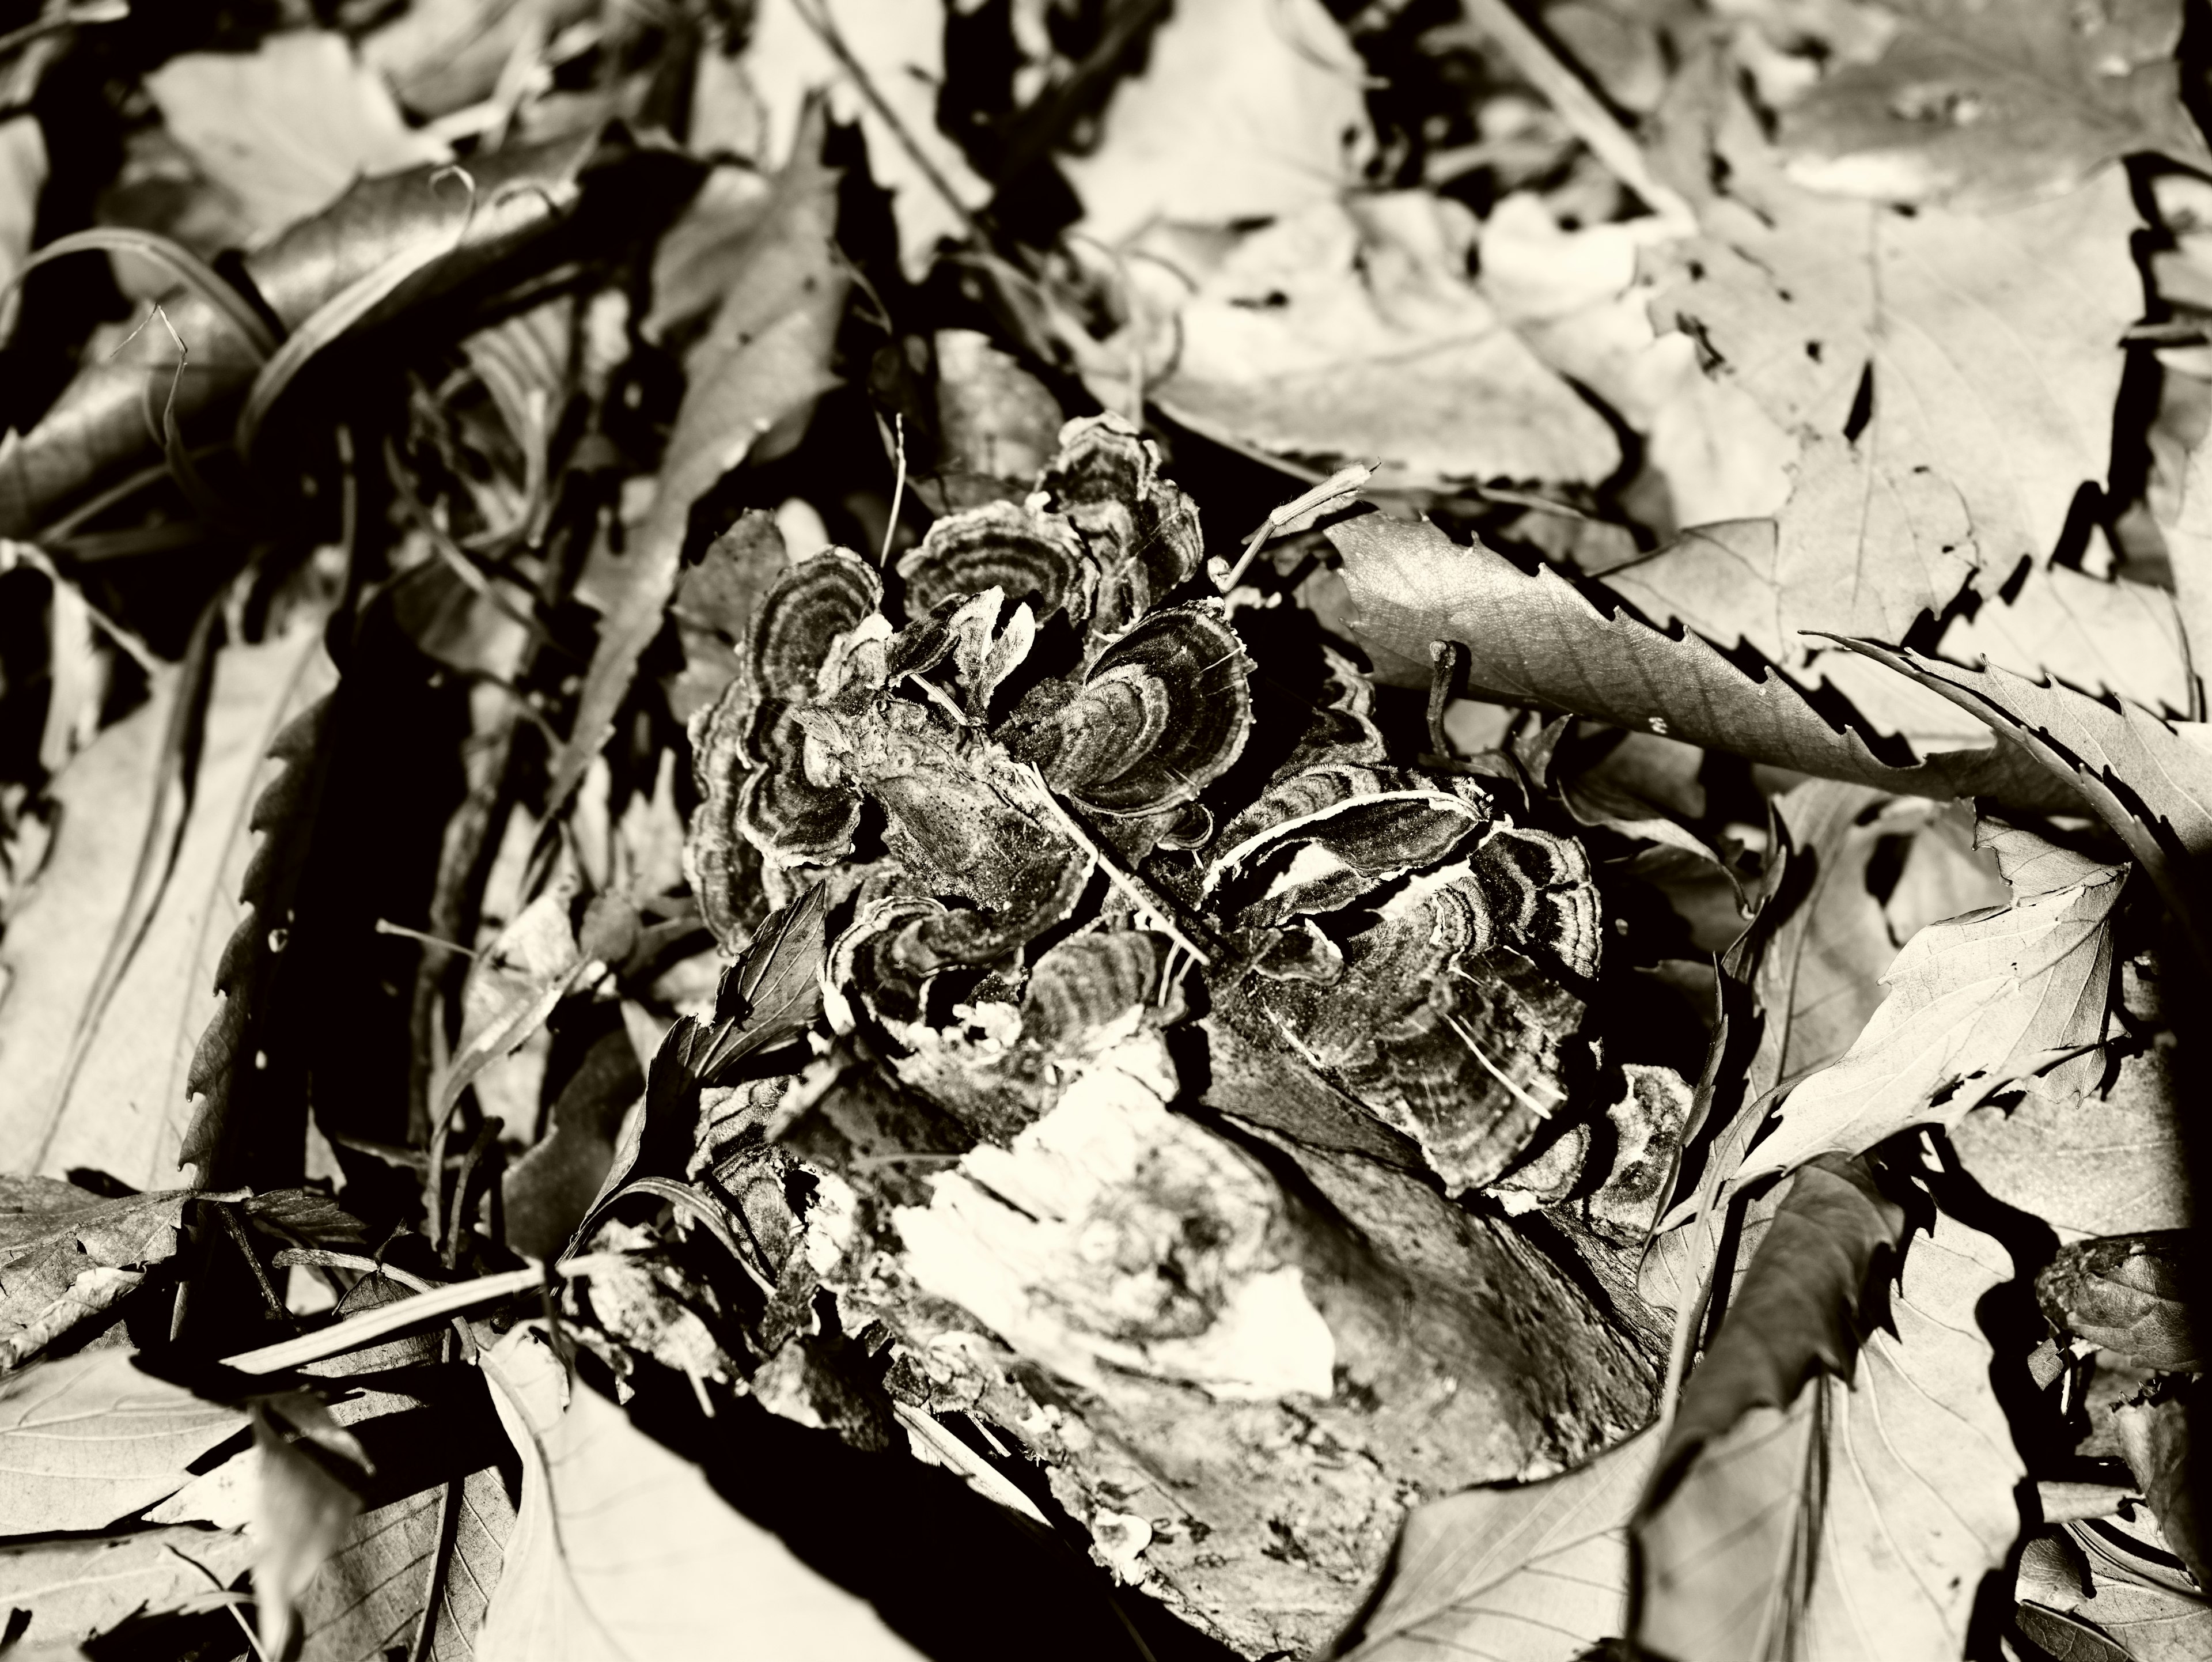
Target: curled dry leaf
2128,1296
529,203
66,1255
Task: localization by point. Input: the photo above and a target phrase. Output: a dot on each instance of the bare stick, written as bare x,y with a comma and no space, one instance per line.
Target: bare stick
898,488
1344,482
1585,117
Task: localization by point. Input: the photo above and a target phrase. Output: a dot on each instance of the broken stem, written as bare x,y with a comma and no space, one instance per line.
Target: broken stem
1138,893
1343,483
1585,117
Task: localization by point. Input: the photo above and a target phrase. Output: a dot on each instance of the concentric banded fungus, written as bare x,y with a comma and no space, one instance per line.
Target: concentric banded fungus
1031,558
1411,943
841,706
1141,531
1163,713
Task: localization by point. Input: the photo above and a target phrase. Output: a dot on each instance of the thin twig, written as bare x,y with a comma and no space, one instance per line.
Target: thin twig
237,1232
1138,893
816,13
1585,117
356,1332
1342,482
899,487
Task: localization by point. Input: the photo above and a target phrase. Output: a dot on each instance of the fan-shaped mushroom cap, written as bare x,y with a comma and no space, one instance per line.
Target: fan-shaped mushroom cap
1091,987
1164,713
1337,833
1033,557
1139,528
786,812
809,606
1436,1023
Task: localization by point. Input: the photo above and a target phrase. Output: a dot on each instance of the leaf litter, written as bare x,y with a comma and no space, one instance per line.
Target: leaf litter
1330,812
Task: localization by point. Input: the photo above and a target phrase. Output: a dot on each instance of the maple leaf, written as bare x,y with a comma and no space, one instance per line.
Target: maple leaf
1951,380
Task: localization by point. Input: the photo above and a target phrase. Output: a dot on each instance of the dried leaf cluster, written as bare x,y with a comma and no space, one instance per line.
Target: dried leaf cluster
859,828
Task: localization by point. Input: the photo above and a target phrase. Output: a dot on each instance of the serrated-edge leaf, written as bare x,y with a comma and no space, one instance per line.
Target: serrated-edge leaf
284,808
1539,640
2152,786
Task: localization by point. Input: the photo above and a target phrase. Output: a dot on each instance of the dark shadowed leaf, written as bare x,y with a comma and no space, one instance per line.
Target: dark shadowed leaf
1845,1520
1797,1311
1536,639
89,1439
2156,1439
283,817
762,364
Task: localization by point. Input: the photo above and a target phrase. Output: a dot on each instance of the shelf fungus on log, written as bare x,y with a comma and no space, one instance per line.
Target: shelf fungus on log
1142,1067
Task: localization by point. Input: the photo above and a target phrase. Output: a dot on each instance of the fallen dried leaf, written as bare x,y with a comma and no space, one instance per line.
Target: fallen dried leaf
622,1548
1973,1005
1860,1519
1518,1572
1984,105
88,1439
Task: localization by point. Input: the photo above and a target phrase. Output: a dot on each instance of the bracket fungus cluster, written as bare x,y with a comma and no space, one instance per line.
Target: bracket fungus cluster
1166,1107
